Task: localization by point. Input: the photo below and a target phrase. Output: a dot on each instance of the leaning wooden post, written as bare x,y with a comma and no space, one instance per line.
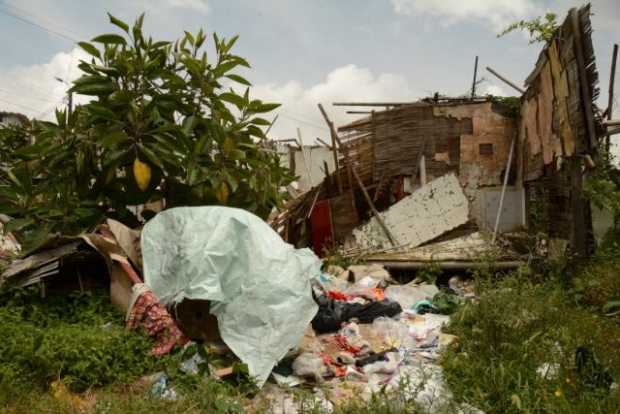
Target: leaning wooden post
500,77
373,208
610,101
332,132
501,197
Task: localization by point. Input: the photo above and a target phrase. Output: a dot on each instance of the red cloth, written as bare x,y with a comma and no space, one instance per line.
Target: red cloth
342,342
321,227
339,371
336,295
151,315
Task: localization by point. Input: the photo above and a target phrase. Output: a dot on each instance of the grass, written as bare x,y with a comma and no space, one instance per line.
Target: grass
519,323
524,320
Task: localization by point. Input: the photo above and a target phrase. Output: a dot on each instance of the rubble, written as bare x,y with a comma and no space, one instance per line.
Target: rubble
426,214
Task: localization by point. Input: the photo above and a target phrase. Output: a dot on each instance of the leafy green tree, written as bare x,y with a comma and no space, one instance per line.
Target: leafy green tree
164,122
540,29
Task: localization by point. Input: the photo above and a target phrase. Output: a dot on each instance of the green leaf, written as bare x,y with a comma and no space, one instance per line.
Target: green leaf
113,139
222,68
151,155
110,39
260,121
239,79
188,125
90,49
119,23
101,111
234,99
257,106
94,89
230,44
17,224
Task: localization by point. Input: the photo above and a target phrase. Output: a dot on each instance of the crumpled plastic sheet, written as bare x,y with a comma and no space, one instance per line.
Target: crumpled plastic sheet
426,384
258,285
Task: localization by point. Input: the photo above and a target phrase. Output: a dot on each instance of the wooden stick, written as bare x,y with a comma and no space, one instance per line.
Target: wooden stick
473,85
359,112
610,100
369,103
373,208
612,122
275,118
501,197
613,131
334,137
316,197
500,77
324,143
586,98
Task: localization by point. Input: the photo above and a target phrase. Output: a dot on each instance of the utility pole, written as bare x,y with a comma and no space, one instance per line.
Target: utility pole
473,85
69,95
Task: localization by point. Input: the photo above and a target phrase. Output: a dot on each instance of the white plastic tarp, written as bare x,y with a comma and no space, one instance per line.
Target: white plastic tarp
259,285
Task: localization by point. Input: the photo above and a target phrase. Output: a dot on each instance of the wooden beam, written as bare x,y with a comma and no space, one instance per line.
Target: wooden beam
500,77
373,208
610,100
325,143
586,98
359,112
503,193
613,131
334,137
370,103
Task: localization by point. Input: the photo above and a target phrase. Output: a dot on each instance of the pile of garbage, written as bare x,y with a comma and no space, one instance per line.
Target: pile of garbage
371,335
223,278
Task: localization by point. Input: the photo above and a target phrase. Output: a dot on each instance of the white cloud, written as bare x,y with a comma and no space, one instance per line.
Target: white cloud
492,89
497,13
198,5
34,91
347,83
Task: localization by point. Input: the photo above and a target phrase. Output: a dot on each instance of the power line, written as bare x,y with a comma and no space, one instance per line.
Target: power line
34,17
12,94
25,20
29,108
303,121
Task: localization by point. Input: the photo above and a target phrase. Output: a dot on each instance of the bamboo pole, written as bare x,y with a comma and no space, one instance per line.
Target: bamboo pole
334,137
501,198
610,101
373,208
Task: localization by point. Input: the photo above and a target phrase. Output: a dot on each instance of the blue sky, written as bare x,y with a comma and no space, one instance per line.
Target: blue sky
302,51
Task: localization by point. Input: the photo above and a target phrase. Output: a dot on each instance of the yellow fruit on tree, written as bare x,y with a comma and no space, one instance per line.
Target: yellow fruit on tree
222,192
142,173
228,146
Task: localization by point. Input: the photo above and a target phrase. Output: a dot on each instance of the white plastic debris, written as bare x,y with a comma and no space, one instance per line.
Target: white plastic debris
258,285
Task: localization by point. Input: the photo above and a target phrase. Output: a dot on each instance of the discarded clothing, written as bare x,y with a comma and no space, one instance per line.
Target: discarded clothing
310,365
442,304
389,365
374,357
423,307
332,314
258,285
151,315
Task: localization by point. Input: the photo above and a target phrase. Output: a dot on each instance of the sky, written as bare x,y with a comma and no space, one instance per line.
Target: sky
302,52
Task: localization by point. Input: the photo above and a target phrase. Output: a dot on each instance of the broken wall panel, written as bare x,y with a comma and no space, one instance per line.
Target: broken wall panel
557,129
483,152
429,212
401,135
